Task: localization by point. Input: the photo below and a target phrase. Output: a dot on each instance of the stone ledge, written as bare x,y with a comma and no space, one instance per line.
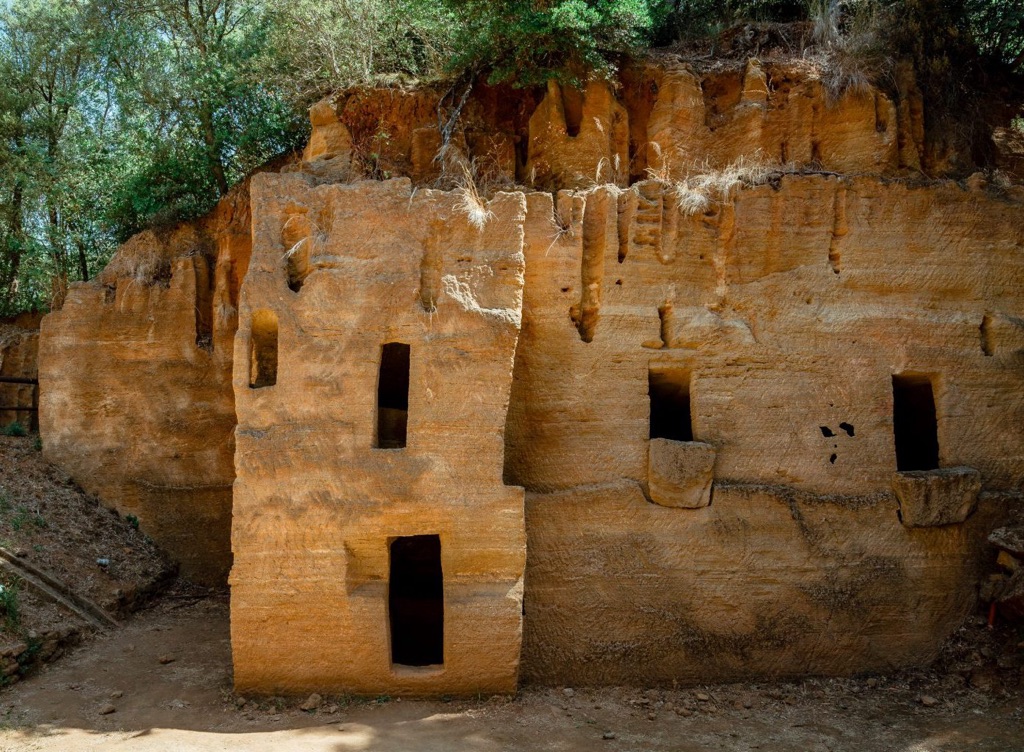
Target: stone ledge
931,498
679,473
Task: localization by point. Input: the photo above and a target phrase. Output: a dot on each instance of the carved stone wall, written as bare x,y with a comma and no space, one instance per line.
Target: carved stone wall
319,497
691,369
787,310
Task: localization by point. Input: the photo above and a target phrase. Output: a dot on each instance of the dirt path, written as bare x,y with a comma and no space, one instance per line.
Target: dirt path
166,676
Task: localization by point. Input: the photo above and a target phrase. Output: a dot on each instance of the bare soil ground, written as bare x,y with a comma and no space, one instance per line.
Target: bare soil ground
163,682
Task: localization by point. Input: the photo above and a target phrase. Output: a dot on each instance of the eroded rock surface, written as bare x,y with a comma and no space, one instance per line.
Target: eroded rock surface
334,471
135,384
787,340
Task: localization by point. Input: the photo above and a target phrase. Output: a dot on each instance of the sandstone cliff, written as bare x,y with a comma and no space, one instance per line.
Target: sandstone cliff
759,380
136,400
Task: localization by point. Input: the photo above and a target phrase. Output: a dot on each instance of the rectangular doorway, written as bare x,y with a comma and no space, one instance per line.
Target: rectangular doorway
416,601
914,422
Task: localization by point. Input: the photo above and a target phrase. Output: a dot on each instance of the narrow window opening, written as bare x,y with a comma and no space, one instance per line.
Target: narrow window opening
205,279
393,396
298,264
669,392
297,238
263,350
914,423
416,601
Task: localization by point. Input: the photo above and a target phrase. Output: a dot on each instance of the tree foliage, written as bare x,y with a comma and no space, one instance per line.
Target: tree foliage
186,85
121,114
50,153
320,46
525,41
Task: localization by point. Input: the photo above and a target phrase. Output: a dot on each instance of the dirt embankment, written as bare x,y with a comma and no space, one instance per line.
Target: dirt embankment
48,523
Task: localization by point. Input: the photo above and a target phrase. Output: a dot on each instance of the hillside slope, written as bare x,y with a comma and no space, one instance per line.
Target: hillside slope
50,524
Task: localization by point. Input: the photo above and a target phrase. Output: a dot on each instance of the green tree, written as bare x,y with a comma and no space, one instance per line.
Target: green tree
998,29
190,101
319,46
525,42
46,64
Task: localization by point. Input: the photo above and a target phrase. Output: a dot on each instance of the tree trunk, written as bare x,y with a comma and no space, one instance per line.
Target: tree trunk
83,262
15,248
57,251
213,150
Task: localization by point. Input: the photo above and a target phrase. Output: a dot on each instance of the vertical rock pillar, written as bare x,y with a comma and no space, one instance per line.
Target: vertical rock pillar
369,509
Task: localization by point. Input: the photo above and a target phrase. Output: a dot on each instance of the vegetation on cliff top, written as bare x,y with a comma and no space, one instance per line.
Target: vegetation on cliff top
121,114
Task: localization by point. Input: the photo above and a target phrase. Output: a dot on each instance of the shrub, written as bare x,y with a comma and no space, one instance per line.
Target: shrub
15,429
525,43
9,604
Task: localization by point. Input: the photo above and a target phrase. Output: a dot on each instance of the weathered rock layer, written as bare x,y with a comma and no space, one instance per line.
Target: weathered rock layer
764,419
135,384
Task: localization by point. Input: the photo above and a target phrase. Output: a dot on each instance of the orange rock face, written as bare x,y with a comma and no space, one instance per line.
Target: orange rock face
673,419
782,315
135,384
326,484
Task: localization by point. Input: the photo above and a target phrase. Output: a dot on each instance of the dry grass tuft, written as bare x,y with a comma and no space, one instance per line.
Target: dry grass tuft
562,226
609,172
470,202
705,187
849,50
144,259
461,175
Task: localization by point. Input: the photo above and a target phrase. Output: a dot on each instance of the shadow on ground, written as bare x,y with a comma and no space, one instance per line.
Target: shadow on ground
163,683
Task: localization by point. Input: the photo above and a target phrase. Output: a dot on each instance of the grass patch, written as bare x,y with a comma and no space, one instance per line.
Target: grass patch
23,517
14,428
